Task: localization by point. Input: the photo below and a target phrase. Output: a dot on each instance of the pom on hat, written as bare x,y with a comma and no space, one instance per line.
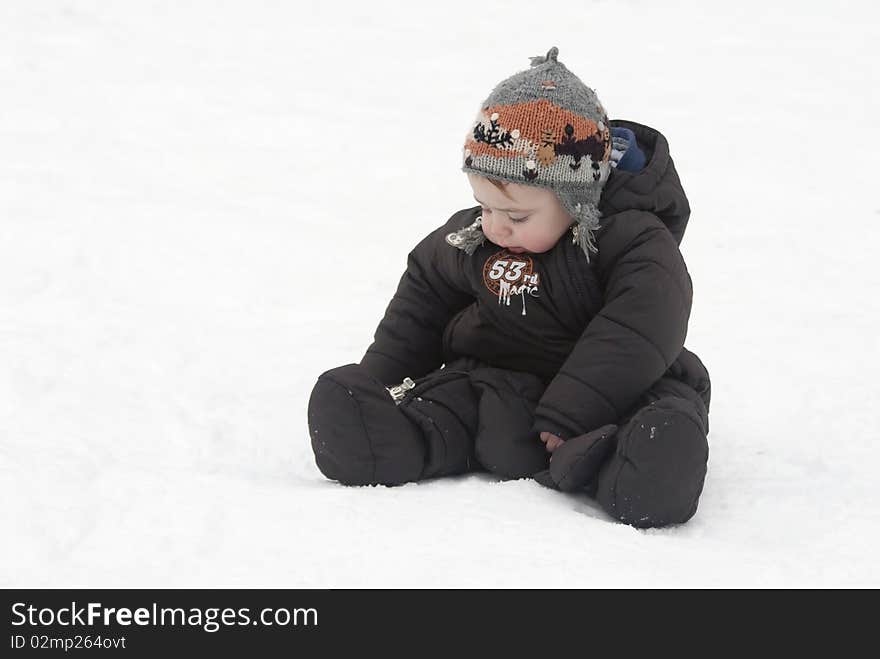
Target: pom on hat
540,59
546,128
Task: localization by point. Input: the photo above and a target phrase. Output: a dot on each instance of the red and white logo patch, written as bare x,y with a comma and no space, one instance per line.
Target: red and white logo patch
507,274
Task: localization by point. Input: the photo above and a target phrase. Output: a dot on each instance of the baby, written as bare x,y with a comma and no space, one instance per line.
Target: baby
541,333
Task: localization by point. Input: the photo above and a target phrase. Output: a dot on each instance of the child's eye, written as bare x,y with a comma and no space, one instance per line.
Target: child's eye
518,219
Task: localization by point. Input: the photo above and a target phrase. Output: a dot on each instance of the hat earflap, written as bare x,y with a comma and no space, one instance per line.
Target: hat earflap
586,216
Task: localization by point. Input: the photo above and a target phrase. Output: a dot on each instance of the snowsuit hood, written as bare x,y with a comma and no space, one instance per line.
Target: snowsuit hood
655,188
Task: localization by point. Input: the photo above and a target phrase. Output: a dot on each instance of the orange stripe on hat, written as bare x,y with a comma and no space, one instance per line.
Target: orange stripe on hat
534,118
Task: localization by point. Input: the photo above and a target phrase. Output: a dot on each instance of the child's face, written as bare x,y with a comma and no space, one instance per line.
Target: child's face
528,219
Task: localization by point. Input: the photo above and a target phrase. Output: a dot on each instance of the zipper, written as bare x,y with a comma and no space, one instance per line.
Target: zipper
410,387
398,392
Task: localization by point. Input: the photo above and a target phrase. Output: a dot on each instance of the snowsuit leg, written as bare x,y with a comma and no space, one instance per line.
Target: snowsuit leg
505,444
655,475
464,417
647,469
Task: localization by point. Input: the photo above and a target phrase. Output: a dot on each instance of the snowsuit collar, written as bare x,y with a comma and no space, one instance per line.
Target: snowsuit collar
625,152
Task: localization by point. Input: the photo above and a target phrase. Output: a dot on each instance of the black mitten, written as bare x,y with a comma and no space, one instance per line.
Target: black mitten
575,465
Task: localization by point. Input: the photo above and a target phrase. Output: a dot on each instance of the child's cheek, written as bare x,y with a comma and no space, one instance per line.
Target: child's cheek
530,241
538,243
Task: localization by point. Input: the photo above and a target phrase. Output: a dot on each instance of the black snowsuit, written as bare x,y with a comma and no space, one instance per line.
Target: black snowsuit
502,346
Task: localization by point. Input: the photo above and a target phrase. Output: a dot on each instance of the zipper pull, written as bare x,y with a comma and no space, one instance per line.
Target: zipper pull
398,392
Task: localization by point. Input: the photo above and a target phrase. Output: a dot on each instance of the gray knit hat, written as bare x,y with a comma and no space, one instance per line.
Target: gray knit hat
542,127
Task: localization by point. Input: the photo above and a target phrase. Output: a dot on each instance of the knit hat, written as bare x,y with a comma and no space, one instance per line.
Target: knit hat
546,128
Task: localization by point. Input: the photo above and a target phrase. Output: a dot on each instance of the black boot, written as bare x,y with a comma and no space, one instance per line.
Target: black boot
358,435
656,474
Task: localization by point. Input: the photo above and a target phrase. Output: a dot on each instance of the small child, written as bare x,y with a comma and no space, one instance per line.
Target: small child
541,333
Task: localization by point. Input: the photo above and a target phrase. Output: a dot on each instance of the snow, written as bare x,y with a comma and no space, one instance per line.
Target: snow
205,205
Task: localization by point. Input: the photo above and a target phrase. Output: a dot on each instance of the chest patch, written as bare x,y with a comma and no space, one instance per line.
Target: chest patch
509,275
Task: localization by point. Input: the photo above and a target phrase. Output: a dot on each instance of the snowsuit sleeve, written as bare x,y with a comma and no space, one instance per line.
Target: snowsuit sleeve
409,340
635,337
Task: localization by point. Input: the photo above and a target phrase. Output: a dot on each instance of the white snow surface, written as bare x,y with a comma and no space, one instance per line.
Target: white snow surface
205,205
